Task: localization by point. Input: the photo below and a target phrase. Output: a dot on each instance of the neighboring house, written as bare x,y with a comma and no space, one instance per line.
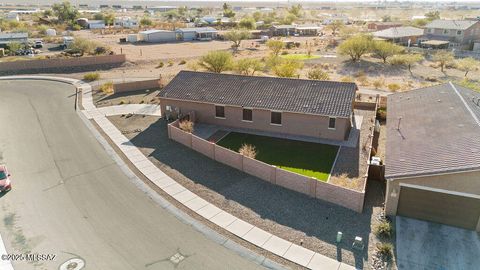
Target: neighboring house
405,35
12,16
335,18
7,38
157,36
96,24
125,22
283,30
161,8
432,163
457,32
308,30
307,108
378,26
198,33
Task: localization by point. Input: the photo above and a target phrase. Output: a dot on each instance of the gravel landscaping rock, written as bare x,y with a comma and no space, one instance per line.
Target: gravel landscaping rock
287,214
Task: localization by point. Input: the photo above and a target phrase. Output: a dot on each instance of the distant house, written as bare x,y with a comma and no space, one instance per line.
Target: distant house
432,163
457,32
157,36
196,33
7,38
307,108
161,8
12,16
378,26
335,18
125,22
405,35
308,30
283,30
96,24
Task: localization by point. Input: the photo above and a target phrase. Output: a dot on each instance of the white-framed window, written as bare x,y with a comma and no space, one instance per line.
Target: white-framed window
332,121
459,32
247,115
219,111
276,118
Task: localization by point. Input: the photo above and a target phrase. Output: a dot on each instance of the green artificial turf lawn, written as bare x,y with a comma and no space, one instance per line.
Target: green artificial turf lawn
300,56
309,159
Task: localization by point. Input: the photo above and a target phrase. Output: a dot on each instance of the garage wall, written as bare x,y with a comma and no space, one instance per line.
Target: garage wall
467,182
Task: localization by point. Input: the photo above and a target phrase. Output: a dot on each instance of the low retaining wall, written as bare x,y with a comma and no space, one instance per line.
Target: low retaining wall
364,105
136,85
55,65
310,186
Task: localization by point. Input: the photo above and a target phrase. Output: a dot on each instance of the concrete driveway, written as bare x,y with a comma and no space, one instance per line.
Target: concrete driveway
427,245
69,197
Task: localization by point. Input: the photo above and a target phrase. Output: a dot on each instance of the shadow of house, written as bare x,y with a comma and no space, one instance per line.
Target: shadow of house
273,203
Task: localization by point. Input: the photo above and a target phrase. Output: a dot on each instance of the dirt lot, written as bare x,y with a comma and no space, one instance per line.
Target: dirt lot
288,214
133,97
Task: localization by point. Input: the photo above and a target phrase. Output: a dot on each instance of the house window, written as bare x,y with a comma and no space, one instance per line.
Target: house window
445,31
247,115
276,118
331,122
459,32
220,111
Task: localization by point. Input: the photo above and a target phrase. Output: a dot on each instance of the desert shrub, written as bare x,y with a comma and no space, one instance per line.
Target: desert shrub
186,126
347,79
318,74
170,63
183,62
121,102
107,88
378,83
382,113
394,87
284,53
160,65
360,74
383,229
92,76
385,250
193,65
363,80
248,150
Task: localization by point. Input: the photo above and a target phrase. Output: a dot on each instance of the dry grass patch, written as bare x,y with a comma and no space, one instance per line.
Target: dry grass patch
342,180
186,126
107,88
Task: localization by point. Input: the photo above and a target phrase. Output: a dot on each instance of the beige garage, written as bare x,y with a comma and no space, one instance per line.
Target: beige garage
441,206
432,161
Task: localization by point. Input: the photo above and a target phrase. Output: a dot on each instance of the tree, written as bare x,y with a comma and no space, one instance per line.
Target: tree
335,26
236,36
289,19
227,11
84,46
47,13
384,49
65,12
468,64
420,23
145,21
433,15
247,23
217,61
288,68
257,15
443,58
318,74
248,66
407,60
98,16
14,46
109,18
387,18
296,10
275,46
356,47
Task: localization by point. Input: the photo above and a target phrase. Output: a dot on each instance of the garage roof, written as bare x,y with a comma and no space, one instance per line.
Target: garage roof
433,130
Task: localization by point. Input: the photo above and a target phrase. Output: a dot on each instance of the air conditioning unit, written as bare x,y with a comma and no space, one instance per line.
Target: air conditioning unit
375,161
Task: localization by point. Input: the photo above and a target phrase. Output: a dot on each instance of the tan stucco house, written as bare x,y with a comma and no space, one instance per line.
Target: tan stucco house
432,162
309,108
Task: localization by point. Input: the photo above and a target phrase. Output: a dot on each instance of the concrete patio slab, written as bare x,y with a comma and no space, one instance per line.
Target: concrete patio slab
239,227
223,219
257,236
277,245
299,255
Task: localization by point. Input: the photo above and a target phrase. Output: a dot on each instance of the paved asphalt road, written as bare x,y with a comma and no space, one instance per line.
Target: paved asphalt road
69,198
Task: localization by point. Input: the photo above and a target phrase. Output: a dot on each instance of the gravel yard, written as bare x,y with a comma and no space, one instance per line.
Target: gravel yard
287,214
133,97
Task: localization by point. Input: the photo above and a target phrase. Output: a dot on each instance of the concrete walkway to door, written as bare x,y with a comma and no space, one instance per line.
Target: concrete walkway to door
427,245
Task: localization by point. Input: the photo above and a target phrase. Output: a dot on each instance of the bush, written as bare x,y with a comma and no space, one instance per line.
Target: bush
183,62
318,74
363,80
378,83
248,150
347,79
186,126
170,63
383,229
385,250
90,77
107,88
382,113
394,87
121,102
284,53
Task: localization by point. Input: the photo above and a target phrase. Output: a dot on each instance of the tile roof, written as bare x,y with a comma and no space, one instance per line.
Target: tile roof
397,32
293,95
439,131
451,24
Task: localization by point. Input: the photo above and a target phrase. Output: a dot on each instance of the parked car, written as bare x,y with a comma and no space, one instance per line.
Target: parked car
38,44
5,182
